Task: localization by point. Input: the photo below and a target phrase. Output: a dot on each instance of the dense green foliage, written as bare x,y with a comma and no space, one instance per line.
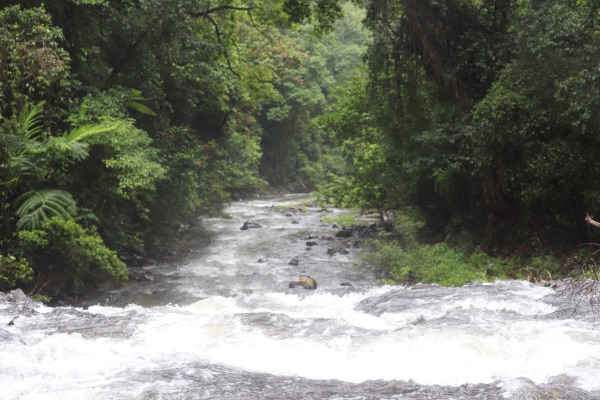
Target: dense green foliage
479,113
128,119
70,257
123,121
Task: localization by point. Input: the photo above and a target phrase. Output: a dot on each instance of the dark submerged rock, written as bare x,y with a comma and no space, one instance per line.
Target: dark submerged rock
248,225
294,262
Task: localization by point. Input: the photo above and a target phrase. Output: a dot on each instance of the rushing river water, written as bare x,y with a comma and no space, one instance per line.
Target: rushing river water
221,323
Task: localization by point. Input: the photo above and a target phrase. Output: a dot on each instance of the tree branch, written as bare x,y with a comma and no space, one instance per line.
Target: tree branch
218,33
205,14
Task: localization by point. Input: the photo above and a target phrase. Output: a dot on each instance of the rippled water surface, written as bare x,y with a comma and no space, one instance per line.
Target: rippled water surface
221,323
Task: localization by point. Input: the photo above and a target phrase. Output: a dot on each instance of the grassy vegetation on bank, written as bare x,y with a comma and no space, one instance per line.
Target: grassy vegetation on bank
398,257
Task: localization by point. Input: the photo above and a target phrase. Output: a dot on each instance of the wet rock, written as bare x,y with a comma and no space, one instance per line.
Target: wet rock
295,222
338,250
311,243
346,284
18,296
294,262
361,231
305,282
248,225
344,233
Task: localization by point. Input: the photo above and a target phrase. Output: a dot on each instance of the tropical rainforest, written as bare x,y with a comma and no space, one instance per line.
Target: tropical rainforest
469,124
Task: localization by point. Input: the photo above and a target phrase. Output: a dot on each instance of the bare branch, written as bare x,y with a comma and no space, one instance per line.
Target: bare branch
590,221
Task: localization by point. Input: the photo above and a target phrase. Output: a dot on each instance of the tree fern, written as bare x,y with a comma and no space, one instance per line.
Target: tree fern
35,207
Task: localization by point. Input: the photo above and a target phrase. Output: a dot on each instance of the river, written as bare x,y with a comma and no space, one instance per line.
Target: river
220,322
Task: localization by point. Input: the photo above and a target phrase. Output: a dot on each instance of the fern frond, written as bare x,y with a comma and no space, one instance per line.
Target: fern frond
23,166
30,120
86,131
13,142
139,107
133,101
35,207
72,150
21,134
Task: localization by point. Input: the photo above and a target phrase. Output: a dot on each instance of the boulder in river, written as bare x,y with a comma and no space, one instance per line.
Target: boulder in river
16,296
248,225
304,281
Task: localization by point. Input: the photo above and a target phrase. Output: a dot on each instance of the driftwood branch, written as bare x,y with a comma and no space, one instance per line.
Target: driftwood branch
589,219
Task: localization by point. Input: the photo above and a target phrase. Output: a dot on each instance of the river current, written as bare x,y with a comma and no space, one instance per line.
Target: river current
220,322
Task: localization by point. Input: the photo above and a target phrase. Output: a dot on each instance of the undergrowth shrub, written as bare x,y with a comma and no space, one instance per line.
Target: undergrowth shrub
74,256
14,272
398,257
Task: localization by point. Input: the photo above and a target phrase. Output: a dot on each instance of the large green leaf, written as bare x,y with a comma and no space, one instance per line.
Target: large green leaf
35,207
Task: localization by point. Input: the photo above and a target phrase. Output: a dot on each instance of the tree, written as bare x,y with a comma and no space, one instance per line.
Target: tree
486,109
34,66
536,127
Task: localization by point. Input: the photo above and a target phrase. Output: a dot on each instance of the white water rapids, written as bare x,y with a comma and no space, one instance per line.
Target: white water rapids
221,323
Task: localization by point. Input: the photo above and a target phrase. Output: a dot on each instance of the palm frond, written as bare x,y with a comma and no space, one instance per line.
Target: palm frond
35,207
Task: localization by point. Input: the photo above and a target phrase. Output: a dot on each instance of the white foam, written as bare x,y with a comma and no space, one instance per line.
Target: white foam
327,339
